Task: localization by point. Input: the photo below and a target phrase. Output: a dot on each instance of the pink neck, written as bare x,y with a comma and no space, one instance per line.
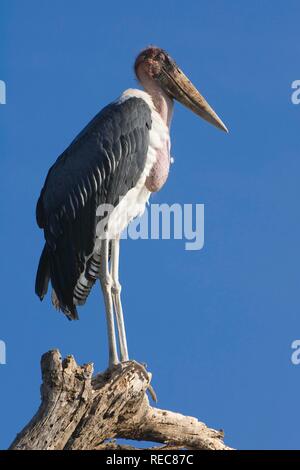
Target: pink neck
163,104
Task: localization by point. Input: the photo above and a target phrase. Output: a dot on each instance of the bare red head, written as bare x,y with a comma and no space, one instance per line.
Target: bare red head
156,64
151,61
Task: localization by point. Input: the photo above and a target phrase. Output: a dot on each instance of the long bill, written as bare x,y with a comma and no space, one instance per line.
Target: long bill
179,87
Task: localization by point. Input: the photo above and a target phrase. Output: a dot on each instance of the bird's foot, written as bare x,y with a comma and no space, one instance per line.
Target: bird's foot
142,367
115,366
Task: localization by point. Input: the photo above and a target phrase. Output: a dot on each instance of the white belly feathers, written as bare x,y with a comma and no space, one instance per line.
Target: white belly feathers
133,203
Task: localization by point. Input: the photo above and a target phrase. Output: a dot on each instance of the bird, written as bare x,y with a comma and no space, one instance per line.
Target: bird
102,181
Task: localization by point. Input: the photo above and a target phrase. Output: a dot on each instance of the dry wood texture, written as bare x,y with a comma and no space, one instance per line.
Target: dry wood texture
79,411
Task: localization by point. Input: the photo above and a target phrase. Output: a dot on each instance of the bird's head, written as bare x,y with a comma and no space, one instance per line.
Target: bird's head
157,65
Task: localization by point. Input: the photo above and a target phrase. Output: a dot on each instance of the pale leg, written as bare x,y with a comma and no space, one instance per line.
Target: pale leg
116,295
106,284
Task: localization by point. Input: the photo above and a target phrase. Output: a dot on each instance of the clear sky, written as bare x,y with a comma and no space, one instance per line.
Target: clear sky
215,326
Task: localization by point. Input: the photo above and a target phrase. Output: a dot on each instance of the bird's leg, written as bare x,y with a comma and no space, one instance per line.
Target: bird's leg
106,284
116,295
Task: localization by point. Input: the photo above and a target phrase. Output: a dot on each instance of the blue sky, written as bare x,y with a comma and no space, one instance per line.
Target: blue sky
215,326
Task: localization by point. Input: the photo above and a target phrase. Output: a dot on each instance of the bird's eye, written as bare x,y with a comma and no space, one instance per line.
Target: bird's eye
160,57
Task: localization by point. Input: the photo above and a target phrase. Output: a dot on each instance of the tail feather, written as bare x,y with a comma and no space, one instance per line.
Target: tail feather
42,275
71,313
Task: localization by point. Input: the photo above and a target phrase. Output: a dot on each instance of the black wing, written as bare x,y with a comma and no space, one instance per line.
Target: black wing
101,165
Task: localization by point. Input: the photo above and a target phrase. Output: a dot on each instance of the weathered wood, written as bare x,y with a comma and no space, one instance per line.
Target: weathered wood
79,411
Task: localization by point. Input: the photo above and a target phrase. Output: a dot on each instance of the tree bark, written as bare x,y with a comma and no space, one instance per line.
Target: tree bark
79,411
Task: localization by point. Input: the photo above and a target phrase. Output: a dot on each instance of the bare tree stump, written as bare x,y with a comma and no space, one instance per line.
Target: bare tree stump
79,411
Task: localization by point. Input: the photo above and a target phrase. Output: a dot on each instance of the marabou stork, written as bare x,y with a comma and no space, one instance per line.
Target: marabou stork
119,158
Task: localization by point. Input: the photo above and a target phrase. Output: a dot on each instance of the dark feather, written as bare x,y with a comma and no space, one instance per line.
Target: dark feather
100,166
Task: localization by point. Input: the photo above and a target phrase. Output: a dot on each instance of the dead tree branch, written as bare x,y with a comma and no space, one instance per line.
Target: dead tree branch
79,411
